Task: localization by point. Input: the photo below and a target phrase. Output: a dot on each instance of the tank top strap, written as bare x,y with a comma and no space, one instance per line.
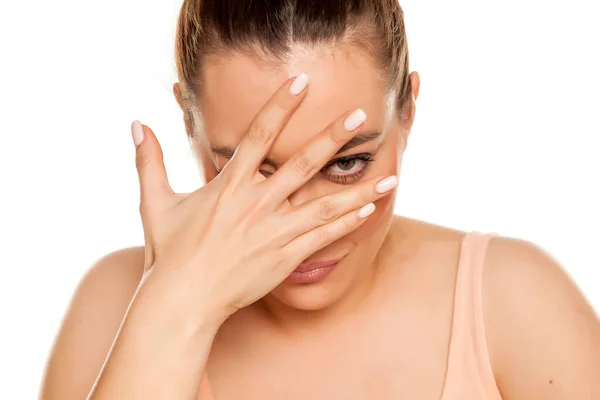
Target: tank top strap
469,373
205,391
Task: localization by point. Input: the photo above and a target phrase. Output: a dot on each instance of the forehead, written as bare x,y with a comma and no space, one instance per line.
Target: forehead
341,79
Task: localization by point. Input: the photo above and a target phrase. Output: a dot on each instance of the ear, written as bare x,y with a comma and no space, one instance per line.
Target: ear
415,84
205,161
187,116
178,95
411,109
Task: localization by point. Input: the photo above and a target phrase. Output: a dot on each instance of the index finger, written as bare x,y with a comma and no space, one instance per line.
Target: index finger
267,125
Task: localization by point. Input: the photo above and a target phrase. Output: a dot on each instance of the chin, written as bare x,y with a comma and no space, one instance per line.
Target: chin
312,296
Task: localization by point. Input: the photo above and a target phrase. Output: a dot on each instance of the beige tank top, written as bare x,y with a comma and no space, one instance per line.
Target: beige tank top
469,375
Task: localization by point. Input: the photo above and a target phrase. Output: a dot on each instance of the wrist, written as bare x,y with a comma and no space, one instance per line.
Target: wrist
181,303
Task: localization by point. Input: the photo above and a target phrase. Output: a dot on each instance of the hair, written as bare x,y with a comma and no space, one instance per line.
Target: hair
270,29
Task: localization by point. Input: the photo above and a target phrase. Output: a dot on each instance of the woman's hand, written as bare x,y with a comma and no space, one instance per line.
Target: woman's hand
232,241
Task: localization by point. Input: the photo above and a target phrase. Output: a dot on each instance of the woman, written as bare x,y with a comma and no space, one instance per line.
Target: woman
287,276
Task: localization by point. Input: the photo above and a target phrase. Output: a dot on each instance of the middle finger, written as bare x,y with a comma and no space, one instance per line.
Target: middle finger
304,164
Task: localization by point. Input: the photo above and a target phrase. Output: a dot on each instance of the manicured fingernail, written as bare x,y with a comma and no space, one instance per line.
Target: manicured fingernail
366,210
387,184
299,84
354,120
137,132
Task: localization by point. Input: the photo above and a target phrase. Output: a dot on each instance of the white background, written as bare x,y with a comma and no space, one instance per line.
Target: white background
506,140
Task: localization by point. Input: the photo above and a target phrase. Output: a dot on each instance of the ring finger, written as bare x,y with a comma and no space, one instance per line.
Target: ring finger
326,209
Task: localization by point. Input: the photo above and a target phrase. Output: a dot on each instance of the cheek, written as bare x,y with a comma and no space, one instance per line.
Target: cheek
386,162
384,210
376,224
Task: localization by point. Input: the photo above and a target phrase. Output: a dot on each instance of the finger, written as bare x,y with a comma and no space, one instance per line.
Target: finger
154,185
312,241
267,124
326,209
304,164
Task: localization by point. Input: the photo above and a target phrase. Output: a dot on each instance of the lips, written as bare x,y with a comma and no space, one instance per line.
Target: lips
311,266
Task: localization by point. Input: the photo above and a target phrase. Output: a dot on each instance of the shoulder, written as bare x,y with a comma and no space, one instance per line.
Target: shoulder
91,323
122,267
111,281
543,336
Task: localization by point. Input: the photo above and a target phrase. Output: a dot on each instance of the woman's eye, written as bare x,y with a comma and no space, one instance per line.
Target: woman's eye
342,170
345,169
346,165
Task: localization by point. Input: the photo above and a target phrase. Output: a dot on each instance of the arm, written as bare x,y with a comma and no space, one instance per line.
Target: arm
161,349
90,325
544,338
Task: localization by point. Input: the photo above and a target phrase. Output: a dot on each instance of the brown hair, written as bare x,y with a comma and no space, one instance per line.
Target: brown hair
270,28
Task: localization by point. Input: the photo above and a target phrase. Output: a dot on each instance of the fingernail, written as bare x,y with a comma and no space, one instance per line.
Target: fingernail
354,120
299,84
137,132
366,210
387,184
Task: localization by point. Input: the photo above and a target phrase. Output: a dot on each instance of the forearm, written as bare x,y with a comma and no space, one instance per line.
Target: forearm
160,351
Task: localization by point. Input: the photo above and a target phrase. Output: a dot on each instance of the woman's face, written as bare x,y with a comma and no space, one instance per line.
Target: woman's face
236,86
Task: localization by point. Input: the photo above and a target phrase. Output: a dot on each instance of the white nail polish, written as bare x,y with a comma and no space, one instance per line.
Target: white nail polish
366,210
299,84
354,120
137,132
387,184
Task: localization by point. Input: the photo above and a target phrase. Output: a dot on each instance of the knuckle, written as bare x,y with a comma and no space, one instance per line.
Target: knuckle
259,134
324,235
280,108
302,165
349,224
327,210
338,135
141,160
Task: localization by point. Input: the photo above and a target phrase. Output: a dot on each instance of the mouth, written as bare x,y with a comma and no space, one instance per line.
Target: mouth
312,272
313,265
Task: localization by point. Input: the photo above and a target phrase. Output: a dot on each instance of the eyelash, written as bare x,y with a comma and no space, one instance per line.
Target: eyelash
342,179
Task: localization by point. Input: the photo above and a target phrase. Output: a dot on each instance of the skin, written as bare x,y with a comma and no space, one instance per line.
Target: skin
379,325
337,86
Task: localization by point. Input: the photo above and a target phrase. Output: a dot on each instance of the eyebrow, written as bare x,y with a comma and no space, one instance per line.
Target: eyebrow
357,140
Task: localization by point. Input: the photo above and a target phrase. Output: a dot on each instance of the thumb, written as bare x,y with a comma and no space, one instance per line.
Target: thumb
154,185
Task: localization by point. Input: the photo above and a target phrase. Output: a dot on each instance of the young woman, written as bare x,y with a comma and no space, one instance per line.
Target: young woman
287,276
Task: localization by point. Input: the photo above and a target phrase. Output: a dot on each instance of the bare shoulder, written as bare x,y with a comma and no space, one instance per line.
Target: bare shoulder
432,249
420,234
543,336
91,323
